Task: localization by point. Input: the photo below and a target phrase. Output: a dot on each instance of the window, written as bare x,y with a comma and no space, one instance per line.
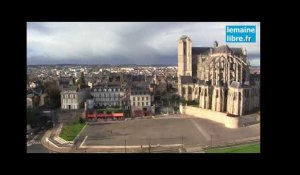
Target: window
183,91
133,98
142,98
147,99
146,103
138,98
133,104
138,103
190,90
217,93
142,103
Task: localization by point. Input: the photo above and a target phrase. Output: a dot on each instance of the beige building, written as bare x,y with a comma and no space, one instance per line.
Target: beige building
108,94
74,98
217,77
140,99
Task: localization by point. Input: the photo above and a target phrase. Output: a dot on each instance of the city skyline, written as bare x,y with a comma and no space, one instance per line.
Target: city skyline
117,43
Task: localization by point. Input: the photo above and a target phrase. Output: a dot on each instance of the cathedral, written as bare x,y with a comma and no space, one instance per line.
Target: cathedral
217,77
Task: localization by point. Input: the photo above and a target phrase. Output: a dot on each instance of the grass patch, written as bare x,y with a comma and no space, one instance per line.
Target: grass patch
250,148
69,132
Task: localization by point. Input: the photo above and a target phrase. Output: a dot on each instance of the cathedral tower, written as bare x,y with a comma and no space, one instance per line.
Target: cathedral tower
184,56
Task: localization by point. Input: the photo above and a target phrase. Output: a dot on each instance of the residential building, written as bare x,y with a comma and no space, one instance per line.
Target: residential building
73,97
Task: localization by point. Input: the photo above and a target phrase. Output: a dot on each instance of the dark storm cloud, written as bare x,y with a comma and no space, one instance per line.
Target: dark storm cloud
121,43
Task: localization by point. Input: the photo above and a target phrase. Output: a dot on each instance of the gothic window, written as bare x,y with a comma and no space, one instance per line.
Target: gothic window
205,92
240,96
183,90
217,93
190,90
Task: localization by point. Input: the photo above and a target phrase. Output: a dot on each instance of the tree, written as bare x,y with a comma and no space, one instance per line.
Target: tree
53,91
32,117
81,80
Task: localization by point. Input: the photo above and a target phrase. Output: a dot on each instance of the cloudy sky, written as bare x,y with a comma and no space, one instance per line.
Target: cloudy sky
124,42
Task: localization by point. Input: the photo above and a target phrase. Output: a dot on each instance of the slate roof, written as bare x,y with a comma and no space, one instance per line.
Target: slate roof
224,48
200,50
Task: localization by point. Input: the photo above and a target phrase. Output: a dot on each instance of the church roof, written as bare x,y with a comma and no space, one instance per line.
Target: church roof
199,50
237,51
224,48
186,80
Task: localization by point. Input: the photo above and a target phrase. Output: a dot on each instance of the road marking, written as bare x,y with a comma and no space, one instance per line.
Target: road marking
83,141
200,129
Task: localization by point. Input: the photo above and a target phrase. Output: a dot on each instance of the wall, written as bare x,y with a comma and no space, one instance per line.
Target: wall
230,122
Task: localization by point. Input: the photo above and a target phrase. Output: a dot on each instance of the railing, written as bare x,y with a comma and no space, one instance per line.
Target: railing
114,115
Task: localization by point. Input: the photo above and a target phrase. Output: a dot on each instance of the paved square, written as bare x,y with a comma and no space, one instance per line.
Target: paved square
163,131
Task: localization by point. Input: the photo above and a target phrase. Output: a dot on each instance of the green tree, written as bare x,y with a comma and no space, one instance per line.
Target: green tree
32,117
53,91
81,80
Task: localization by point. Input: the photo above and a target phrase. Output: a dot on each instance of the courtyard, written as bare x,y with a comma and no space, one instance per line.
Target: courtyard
179,129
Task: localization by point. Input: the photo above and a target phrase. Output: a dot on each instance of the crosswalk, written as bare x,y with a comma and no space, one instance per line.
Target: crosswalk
33,142
60,140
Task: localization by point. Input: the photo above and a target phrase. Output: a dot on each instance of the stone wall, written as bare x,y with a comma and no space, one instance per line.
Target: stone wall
230,122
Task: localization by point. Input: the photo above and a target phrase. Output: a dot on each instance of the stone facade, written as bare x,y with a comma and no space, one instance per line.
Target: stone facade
217,77
74,98
140,98
108,95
